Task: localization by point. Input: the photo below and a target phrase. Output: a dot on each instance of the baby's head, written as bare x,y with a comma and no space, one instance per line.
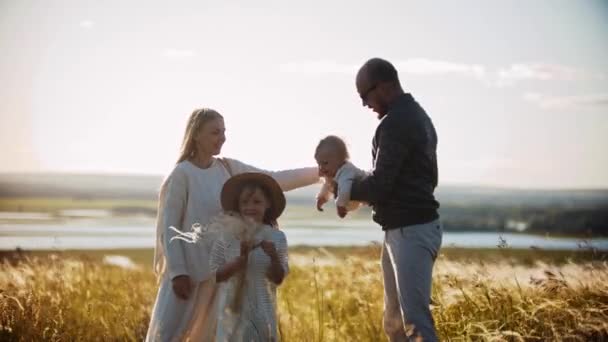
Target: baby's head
255,196
331,154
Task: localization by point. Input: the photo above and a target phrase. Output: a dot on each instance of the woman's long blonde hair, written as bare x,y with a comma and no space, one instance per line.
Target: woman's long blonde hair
196,122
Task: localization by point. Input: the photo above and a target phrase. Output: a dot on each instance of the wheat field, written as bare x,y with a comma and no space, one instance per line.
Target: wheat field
330,295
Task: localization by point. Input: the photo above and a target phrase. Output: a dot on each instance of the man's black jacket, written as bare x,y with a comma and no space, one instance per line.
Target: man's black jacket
404,152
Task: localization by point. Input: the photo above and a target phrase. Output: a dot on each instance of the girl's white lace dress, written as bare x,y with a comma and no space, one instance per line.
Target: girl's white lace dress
252,316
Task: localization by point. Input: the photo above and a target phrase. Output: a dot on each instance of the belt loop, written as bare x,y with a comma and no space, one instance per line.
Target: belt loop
401,230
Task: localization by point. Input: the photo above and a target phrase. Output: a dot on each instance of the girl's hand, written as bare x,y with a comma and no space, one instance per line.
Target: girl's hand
236,265
269,249
182,286
245,248
240,263
244,257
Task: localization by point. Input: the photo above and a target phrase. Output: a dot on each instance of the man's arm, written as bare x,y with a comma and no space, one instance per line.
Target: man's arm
392,150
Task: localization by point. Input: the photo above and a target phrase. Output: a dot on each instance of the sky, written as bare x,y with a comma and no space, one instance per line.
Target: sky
517,90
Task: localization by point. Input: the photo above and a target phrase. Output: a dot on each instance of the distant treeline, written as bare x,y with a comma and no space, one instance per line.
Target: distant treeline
588,222
463,208
551,220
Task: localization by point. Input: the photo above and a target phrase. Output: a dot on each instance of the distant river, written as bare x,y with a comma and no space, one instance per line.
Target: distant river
83,235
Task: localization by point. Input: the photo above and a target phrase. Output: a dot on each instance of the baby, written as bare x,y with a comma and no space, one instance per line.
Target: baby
332,157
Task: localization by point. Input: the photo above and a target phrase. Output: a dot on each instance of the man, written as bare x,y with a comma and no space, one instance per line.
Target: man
400,189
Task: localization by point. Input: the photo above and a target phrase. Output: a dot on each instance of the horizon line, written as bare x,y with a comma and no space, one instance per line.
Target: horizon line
449,184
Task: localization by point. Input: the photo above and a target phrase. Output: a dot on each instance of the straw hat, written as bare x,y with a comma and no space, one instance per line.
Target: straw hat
233,186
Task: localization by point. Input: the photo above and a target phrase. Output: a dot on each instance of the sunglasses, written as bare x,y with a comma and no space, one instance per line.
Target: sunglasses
366,93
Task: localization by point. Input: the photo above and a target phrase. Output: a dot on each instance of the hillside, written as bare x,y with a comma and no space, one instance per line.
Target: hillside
570,212
145,187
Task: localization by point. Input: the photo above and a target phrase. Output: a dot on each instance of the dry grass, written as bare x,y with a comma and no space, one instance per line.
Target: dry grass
336,297
65,299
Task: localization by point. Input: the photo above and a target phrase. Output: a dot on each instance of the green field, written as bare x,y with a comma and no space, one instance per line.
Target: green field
56,204
331,294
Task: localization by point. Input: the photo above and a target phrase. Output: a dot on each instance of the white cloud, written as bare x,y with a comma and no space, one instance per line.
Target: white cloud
566,102
318,67
435,67
179,53
485,164
543,72
87,24
409,66
506,76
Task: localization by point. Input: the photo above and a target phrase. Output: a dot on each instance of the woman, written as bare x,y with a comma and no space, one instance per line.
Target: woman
185,304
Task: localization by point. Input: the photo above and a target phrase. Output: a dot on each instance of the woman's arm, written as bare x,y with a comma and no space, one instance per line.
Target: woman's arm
287,179
174,207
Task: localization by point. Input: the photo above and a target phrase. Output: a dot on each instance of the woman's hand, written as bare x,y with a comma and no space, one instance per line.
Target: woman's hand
269,248
182,286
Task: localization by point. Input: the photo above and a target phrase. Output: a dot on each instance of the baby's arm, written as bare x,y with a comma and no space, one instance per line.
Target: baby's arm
344,186
324,194
345,181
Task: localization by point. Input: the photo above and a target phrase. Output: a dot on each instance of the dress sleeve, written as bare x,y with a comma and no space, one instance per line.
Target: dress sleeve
344,178
174,210
287,179
218,255
281,246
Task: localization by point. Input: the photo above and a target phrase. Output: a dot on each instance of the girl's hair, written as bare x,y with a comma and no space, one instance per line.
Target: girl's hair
335,143
198,119
251,187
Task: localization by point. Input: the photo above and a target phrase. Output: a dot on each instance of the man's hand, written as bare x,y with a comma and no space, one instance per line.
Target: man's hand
182,286
341,211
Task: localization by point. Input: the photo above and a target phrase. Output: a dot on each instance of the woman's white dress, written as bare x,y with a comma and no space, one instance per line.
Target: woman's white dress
191,195
255,318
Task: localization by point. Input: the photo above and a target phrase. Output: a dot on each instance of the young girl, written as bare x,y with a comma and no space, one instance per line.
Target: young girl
249,259
332,157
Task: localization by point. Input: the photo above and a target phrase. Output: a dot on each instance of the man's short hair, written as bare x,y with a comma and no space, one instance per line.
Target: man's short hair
380,70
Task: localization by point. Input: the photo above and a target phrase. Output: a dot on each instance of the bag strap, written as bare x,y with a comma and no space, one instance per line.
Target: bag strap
226,166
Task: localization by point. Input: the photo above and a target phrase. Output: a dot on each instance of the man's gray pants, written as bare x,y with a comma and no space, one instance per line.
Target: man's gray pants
408,256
